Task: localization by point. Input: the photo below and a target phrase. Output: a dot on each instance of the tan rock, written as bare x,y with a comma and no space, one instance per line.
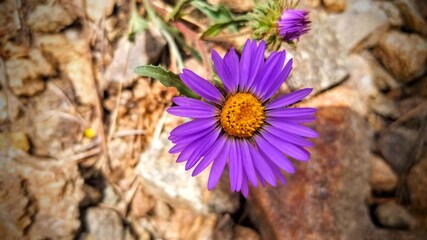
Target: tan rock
236,5
16,140
395,216
392,12
96,9
404,55
359,29
25,74
245,233
319,60
49,18
335,5
104,223
382,177
168,180
39,195
74,62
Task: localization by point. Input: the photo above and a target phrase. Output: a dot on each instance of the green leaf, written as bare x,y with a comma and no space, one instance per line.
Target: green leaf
167,78
216,13
177,9
217,28
137,23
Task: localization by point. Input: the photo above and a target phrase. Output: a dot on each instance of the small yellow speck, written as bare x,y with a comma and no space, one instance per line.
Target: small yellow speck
90,133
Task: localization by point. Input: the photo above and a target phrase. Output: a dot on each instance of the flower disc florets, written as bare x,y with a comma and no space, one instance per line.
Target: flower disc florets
241,115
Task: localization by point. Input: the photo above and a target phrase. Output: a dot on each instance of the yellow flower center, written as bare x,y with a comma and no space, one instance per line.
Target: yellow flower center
241,115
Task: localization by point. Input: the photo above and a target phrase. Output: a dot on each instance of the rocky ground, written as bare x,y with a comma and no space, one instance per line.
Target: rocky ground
83,140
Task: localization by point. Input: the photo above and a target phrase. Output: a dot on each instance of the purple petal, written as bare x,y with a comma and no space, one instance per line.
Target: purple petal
202,149
200,86
248,163
289,99
190,138
218,150
289,137
231,61
222,70
278,81
303,119
239,169
193,112
291,112
190,148
218,167
291,127
262,168
245,63
274,154
286,147
193,126
191,102
232,165
245,187
277,173
177,148
256,64
269,71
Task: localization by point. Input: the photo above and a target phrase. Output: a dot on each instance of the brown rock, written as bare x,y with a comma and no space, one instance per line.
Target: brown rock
382,79
49,18
9,22
39,195
335,5
382,177
412,16
404,55
25,73
394,216
104,223
325,198
3,107
245,233
400,142
416,182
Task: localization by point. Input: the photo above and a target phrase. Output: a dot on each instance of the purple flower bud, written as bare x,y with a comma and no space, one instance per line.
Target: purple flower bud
292,24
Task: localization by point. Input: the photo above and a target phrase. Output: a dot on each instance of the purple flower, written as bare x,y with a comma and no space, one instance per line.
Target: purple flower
241,125
292,24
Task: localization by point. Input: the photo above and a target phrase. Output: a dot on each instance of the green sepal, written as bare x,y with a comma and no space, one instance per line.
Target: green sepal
167,78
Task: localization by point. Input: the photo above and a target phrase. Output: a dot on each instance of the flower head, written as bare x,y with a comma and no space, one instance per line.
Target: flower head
292,24
278,21
240,125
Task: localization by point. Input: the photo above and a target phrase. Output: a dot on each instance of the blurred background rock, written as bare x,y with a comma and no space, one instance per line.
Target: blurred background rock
83,141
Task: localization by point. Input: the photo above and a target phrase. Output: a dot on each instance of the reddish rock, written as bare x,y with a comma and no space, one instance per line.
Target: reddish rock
417,182
382,177
325,198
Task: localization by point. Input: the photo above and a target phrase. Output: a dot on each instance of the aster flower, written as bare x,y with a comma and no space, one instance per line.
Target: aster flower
239,124
292,24
278,21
